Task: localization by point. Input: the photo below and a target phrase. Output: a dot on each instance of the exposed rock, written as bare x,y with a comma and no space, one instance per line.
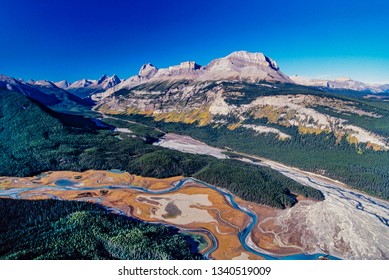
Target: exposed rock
238,66
247,66
84,88
206,103
339,83
102,79
62,84
185,70
147,71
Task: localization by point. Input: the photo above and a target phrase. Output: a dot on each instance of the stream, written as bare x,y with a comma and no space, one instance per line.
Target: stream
244,235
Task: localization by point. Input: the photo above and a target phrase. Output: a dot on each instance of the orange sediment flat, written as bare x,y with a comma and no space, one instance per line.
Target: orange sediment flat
193,206
89,178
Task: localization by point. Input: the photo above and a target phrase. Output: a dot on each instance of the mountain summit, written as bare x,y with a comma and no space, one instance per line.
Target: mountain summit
242,59
237,66
147,71
242,65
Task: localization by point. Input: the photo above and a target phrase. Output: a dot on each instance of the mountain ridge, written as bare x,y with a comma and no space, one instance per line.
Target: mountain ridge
340,83
239,65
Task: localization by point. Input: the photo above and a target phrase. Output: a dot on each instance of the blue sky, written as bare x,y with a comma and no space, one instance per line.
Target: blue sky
67,39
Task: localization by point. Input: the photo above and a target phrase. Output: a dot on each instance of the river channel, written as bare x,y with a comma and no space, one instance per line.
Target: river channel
67,185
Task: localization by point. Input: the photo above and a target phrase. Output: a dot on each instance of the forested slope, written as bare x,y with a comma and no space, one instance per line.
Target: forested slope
356,165
32,141
56,230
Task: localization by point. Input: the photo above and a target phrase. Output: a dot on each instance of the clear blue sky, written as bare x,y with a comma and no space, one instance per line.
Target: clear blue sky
68,39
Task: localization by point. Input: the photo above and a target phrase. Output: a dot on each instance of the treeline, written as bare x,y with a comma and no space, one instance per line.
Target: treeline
56,230
138,130
255,183
32,141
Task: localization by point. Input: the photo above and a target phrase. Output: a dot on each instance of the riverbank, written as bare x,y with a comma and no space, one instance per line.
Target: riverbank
233,228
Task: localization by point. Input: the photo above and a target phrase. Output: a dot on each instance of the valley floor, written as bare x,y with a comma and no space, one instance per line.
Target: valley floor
346,225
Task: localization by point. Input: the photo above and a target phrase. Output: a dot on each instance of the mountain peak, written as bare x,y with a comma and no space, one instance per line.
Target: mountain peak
114,79
62,84
258,56
102,79
252,58
187,66
239,65
243,65
147,71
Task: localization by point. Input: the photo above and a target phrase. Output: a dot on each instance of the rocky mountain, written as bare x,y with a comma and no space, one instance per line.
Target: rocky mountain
146,72
237,91
44,92
62,84
340,83
238,66
85,87
106,82
245,66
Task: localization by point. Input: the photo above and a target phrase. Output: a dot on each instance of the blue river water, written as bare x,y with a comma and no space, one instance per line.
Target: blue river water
116,171
64,183
243,235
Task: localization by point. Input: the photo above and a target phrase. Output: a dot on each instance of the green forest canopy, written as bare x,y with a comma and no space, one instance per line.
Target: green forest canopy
72,230
32,141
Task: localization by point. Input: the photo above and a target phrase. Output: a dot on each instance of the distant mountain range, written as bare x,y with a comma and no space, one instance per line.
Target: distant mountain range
60,95
341,83
85,88
45,92
238,66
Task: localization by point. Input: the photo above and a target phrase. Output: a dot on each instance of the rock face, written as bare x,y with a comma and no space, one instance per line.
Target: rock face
185,70
245,66
147,71
107,82
238,66
85,87
62,84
